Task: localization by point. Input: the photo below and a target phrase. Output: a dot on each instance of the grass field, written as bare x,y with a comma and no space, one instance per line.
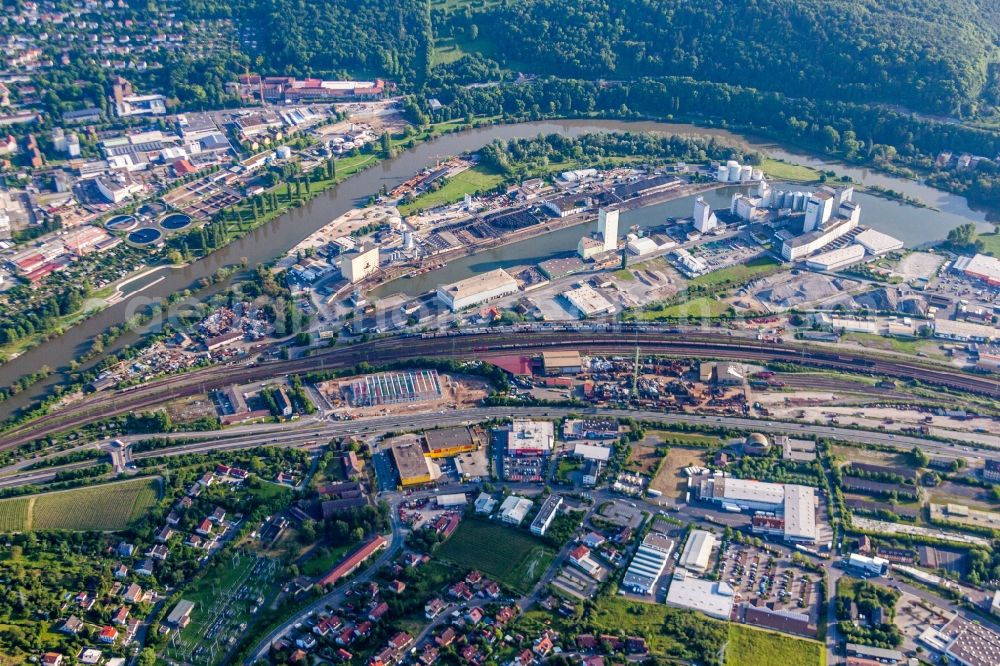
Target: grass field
779,170
753,647
701,307
740,274
991,243
319,564
106,507
511,556
471,181
668,631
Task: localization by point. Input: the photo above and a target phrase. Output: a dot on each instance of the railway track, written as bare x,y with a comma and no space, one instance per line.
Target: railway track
483,345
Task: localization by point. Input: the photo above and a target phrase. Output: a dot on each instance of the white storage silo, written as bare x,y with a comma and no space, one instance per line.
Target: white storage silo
800,201
746,172
722,175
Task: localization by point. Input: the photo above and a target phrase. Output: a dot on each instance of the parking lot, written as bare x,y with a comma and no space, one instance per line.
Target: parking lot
762,576
725,253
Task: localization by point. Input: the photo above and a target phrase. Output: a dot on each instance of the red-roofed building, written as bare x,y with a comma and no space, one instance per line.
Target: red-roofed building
108,635
183,168
52,659
519,366
351,563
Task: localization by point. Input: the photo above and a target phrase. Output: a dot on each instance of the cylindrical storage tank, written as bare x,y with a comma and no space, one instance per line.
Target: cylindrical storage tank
732,163
284,152
788,200
734,173
758,174
746,172
408,240
723,174
800,201
395,222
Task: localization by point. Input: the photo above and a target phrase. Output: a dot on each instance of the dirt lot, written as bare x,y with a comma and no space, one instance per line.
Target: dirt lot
643,459
948,492
918,265
191,408
671,481
854,453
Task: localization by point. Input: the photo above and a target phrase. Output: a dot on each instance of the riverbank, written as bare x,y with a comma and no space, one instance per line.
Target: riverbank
274,238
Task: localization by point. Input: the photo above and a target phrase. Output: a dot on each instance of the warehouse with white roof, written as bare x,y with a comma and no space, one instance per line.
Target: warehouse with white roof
745,494
836,259
878,243
697,552
800,514
714,599
980,267
648,564
589,302
477,289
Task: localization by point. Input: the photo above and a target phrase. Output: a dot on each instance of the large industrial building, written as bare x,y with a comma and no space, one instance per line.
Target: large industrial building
800,514
697,553
803,245
877,243
830,213
357,265
648,563
793,506
965,642
980,267
477,289
743,494
449,442
588,302
530,438
411,464
714,599
836,259
562,362
965,331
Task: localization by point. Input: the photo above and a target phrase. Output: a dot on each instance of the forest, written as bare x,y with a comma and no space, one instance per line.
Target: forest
926,56
860,133
336,38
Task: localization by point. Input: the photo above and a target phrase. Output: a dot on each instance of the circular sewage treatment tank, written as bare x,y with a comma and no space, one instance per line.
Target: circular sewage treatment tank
175,221
121,223
144,236
151,209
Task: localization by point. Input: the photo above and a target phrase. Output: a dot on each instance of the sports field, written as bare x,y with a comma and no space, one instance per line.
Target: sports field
512,556
106,507
755,647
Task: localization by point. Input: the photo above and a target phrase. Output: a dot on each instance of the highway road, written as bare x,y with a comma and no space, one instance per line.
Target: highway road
687,345
318,432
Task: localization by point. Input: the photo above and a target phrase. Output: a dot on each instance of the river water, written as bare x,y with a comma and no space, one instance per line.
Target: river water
915,226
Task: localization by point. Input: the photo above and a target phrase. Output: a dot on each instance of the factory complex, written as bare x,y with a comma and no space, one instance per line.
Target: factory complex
785,510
